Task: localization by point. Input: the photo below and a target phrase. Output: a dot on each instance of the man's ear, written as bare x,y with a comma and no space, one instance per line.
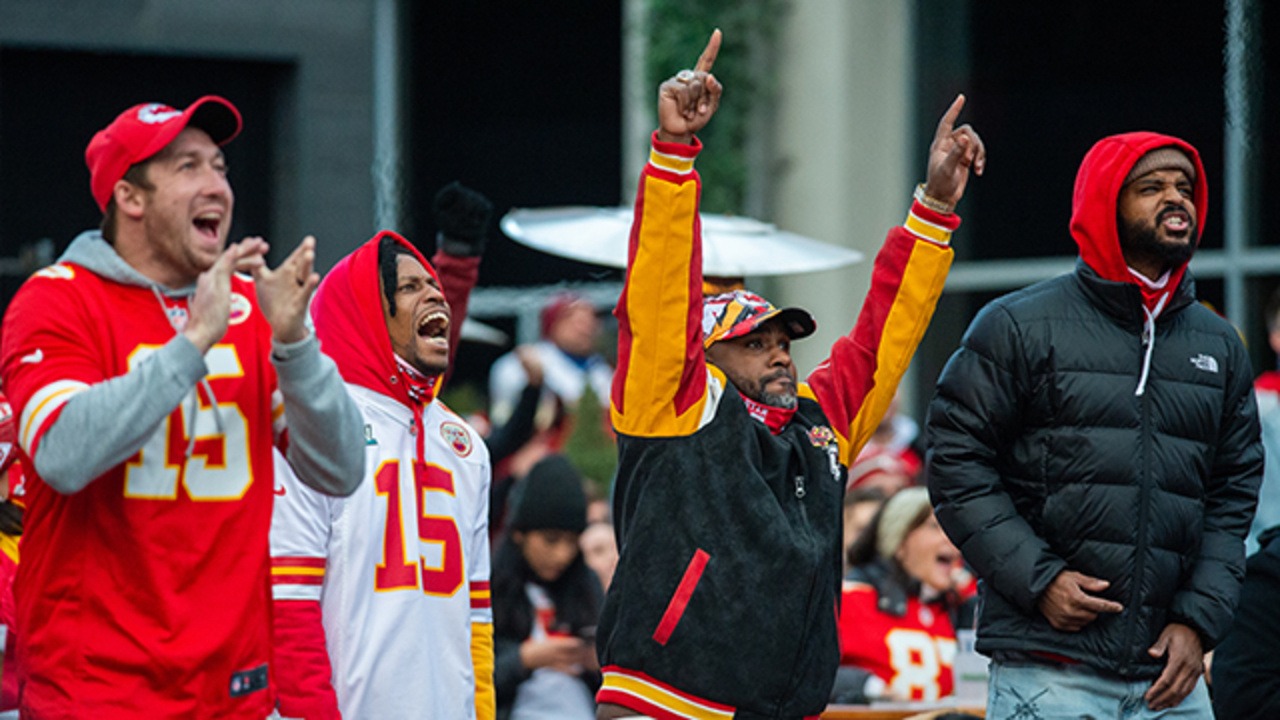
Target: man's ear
712,353
130,199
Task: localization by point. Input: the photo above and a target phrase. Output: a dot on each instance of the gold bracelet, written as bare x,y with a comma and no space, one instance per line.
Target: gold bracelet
933,204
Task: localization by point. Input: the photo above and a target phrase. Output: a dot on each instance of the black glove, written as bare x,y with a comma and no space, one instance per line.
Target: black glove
462,218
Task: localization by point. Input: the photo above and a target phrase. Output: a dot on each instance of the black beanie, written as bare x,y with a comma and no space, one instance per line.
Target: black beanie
550,498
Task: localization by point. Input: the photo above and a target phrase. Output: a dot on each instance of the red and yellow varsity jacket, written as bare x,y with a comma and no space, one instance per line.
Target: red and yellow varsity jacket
725,599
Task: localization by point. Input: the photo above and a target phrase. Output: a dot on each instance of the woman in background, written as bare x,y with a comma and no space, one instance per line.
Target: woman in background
897,617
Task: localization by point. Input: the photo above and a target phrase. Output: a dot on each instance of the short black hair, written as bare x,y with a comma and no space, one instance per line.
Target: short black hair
389,251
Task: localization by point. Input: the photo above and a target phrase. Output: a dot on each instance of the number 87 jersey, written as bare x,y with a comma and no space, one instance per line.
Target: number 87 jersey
400,572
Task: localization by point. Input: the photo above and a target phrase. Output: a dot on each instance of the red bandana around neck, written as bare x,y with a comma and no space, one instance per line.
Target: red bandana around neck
420,389
774,418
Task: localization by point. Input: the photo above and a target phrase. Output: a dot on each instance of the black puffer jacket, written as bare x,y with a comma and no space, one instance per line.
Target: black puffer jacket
1045,457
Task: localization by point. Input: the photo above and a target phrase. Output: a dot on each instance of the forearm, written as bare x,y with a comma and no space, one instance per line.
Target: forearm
508,670
512,435
458,276
980,517
304,682
975,413
482,665
1207,599
326,444
660,386
119,414
857,383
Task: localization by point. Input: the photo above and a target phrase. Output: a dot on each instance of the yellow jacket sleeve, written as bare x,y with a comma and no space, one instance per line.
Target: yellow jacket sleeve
482,665
660,388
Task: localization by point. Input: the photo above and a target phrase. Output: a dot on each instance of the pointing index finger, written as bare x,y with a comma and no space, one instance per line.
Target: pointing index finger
708,57
948,121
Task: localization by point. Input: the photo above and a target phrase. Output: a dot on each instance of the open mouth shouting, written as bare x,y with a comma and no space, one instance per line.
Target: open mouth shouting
433,327
1175,221
208,223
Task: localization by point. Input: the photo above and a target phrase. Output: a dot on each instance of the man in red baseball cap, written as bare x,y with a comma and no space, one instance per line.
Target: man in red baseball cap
150,384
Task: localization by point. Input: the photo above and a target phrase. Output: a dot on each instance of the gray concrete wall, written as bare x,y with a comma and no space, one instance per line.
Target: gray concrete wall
324,145
843,132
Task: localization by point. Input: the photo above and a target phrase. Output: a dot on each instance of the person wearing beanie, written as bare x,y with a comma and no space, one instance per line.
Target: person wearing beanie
1095,454
731,471
546,601
151,382
898,608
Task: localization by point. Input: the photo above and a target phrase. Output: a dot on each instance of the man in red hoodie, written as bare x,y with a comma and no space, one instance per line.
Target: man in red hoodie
382,598
1095,456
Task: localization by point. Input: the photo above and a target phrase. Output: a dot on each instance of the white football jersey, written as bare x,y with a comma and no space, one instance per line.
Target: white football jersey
400,568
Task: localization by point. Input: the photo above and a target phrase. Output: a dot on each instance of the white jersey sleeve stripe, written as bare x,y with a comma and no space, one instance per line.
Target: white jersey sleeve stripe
297,578
46,401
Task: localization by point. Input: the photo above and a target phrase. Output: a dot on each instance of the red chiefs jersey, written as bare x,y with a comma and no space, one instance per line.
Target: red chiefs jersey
913,654
8,569
147,593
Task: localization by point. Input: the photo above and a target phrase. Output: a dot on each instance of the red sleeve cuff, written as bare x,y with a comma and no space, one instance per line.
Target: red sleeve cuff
677,149
950,221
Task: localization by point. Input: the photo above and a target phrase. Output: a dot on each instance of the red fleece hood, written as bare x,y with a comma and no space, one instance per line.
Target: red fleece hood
347,311
1097,194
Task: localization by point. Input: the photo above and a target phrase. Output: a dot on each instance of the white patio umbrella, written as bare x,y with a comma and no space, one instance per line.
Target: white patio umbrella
476,331
732,247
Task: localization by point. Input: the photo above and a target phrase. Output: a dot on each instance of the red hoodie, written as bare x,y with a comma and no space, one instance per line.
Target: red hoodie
1097,193
347,311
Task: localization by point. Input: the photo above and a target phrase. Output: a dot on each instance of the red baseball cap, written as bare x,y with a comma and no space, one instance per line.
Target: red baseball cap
143,130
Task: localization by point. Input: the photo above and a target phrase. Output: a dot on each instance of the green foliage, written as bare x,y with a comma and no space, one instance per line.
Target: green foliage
678,31
463,399
589,446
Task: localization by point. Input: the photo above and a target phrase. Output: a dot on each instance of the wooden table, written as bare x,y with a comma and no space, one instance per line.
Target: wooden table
894,711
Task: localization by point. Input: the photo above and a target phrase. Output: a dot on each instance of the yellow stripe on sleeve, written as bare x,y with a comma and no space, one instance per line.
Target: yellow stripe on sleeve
908,318
663,698
482,666
922,228
658,301
671,163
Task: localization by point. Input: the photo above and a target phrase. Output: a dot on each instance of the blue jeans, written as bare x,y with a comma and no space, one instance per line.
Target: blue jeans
1035,691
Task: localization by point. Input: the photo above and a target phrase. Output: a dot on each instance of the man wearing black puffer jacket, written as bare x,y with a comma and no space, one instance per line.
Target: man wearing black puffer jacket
1096,456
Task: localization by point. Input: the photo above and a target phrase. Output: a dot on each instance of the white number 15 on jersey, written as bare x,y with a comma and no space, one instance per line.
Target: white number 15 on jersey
218,467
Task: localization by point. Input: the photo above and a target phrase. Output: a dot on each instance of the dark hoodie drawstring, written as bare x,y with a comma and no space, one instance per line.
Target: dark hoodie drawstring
204,382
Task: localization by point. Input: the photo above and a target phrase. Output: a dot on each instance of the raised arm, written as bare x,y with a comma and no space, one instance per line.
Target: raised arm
660,387
462,220
857,382
326,439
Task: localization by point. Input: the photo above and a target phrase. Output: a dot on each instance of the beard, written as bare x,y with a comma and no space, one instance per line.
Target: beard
1142,239
784,400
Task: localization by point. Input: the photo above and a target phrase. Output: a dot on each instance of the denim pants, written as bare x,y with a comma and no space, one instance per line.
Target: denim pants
1036,691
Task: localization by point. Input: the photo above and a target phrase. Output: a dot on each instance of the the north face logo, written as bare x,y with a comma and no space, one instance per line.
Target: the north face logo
1205,362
